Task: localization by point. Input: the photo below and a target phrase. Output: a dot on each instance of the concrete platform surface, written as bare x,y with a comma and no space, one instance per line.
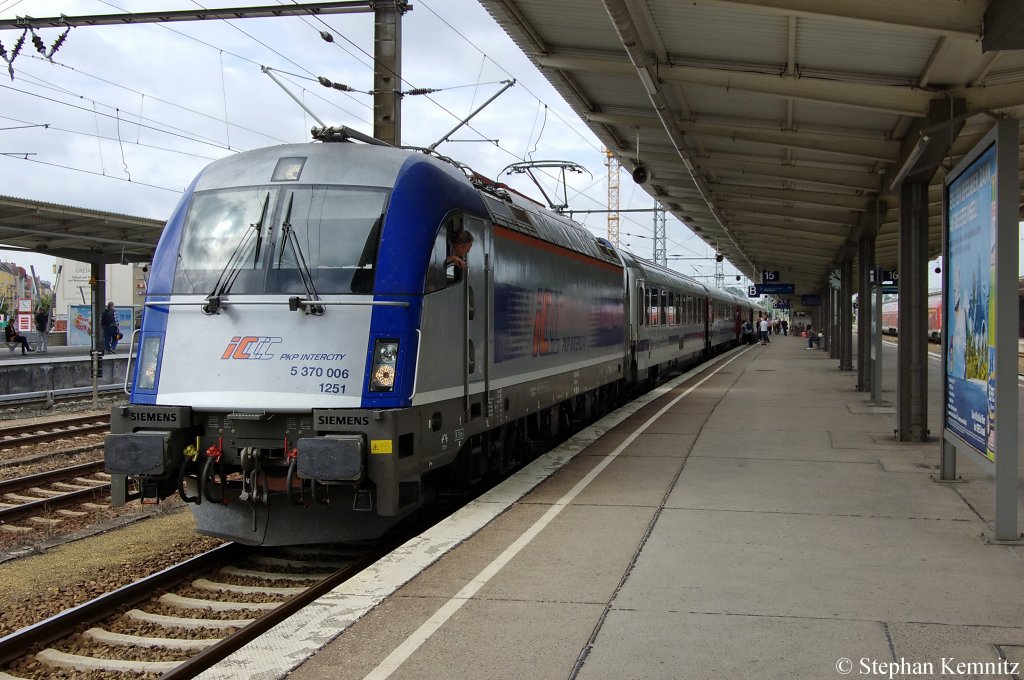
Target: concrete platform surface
752,520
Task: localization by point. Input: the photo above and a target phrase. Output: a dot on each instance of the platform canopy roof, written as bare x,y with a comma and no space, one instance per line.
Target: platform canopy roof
773,128
76,233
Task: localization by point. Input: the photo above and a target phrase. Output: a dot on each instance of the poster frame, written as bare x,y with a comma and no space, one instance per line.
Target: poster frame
998,455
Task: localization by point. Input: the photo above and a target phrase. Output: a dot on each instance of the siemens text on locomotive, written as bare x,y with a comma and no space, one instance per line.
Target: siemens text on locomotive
312,366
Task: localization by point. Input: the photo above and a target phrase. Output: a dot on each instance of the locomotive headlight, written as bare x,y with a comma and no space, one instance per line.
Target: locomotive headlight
387,352
382,372
148,358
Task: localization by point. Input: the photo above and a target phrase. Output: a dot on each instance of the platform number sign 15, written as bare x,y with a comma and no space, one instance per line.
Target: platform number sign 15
769,277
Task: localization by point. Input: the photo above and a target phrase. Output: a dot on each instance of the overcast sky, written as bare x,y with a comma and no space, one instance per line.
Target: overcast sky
134,112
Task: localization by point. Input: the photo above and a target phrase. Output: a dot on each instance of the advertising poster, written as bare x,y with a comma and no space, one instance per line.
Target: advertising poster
79,324
969,307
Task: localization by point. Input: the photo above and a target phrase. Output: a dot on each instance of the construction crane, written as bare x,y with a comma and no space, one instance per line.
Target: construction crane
612,163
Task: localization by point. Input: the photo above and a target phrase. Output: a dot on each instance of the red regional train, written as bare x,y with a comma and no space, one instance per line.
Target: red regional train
890,317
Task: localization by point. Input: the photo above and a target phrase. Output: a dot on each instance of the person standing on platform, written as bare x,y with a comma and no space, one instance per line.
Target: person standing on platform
785,327
43,326
748,332
810,336
109,323
763,325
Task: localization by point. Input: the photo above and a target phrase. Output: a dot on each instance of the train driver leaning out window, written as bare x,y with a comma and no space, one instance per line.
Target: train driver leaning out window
455,263
448,257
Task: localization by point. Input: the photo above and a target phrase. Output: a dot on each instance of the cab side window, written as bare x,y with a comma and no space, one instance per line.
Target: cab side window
441,272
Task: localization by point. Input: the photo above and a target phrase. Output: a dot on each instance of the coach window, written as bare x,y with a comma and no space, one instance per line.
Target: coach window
663,307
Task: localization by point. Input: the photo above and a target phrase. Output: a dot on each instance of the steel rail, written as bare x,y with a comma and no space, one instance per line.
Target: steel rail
53,503
30,639
36,457
19,643
50,476
49,426
232,643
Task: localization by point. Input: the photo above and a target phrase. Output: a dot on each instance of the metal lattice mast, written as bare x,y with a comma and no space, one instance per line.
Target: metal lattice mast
719,274
660,251
612,163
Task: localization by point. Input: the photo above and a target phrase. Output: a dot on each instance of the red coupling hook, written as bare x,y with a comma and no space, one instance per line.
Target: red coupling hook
215,451
290,453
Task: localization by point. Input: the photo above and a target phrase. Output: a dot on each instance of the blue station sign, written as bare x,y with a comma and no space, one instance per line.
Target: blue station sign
775,288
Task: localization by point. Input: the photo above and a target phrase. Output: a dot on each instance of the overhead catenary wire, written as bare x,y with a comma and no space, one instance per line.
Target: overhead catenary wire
107,115
51,126
329,38
507,72
30,76
93,172
577,194
221,50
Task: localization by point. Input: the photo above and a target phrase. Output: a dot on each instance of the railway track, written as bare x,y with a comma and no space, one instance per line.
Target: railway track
24,497
184,619
52,430
45,455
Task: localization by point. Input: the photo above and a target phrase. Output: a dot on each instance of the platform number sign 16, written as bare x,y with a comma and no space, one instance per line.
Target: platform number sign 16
884,276
769,277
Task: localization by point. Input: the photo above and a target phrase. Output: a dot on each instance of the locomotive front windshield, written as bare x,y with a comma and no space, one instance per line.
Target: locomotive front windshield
268,239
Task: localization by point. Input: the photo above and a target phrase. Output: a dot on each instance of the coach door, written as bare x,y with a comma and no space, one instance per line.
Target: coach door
709,325
637,319
637,315
477,294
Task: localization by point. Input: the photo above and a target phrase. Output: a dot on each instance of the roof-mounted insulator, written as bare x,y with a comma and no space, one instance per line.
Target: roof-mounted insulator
420,90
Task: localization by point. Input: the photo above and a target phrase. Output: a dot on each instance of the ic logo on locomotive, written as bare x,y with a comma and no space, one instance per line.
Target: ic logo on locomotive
250,347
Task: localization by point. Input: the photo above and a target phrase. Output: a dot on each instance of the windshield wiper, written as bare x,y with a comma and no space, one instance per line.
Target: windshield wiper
286,229
234,264
288,237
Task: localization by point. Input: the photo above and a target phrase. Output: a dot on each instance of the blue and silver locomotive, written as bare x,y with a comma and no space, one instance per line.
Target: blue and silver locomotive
318,356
